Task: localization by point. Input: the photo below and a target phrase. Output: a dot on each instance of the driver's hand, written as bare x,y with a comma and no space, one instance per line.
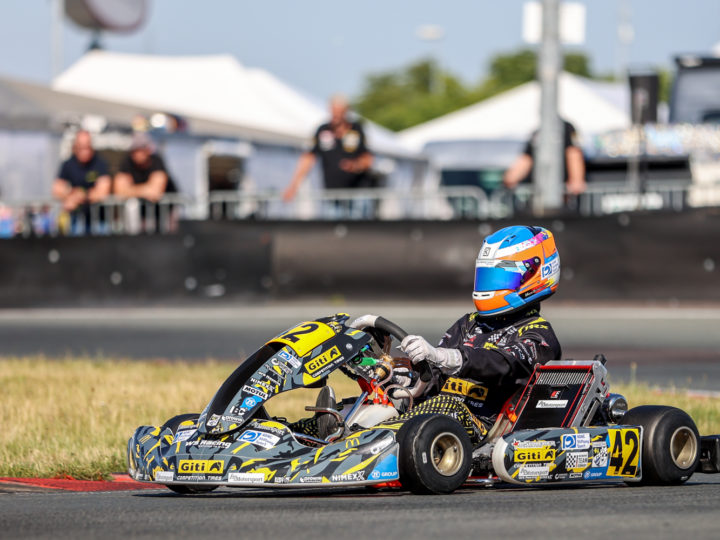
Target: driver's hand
418,349
364,322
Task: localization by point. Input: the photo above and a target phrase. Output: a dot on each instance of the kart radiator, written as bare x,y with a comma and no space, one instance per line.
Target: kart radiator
562,393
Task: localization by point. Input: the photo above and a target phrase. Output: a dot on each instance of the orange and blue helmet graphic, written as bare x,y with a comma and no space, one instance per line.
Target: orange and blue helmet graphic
516,266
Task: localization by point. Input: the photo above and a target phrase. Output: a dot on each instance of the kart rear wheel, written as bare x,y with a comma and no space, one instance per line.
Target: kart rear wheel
671,444
435,454
190,490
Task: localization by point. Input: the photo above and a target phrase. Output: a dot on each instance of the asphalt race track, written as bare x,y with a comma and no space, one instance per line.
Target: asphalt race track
688,511
667,346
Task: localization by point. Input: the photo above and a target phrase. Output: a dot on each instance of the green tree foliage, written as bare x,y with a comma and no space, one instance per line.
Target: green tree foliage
423,91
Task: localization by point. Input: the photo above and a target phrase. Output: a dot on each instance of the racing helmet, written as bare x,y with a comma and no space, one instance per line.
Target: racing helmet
516,266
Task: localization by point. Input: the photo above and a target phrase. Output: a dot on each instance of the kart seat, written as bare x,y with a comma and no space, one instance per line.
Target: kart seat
327,422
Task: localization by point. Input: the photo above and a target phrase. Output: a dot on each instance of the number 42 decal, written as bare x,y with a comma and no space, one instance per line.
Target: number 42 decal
624,452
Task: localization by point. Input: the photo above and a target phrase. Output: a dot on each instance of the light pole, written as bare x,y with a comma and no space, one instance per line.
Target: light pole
56,40
548,188
433,34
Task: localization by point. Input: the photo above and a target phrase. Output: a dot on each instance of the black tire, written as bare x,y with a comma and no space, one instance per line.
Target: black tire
671,444
175,421
189,490
435,454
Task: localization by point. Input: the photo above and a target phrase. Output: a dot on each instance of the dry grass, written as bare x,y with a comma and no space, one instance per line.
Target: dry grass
73,417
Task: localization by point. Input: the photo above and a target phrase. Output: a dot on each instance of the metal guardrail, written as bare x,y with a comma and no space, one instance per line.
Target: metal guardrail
114,216
110,217
450,202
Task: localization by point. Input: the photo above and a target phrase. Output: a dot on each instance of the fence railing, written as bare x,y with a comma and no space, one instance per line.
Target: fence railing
115,216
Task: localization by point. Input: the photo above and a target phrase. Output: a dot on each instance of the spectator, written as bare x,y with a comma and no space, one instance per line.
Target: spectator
82,180
343,153
142,174
573,164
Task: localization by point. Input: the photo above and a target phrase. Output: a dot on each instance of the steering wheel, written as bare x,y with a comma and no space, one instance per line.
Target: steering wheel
422,368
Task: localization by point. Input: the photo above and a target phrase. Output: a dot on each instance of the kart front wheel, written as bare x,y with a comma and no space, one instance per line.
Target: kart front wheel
671,444
435,454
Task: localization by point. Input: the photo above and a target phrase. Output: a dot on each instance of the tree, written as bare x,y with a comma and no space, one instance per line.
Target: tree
423,91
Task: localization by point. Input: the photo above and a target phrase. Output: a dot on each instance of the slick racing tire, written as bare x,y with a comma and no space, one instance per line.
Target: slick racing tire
671,444
435,454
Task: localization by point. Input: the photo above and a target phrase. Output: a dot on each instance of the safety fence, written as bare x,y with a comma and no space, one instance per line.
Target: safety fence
121,217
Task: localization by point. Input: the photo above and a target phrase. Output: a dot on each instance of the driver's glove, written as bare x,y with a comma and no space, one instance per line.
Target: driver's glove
364,322
418,349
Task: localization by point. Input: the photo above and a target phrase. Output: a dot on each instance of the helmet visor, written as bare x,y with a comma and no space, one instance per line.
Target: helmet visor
505,275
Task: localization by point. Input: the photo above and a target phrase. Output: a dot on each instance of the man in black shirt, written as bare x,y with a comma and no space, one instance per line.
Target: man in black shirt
573,163
343,153
83,179
142,173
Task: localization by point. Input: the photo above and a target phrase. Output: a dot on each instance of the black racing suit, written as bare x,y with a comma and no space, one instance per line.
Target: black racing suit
499,354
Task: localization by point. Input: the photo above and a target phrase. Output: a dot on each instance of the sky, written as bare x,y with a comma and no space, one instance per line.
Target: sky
328,46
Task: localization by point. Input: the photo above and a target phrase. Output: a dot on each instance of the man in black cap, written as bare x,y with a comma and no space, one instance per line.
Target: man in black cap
142,173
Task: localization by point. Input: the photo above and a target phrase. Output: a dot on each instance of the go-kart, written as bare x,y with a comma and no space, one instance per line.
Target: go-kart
563,427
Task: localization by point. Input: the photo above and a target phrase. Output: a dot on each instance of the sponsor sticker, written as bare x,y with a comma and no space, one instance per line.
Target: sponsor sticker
246,478
259,438
600,457
534,471
576,461
381,445
319,362
524,456
237,419
465,388
576,441
551,404
550,268
210,443
533,444
255,391
214,419
164,476
352,477
289,358
184,435
250,402
311,480
201,466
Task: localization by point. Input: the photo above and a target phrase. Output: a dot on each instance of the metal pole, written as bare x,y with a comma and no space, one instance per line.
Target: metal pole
549,149
56,42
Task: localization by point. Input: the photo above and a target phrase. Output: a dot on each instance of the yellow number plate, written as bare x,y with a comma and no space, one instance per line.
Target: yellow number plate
304,338
624,450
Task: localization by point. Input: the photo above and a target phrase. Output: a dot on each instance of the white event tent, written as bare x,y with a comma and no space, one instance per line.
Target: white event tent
497,128
274,121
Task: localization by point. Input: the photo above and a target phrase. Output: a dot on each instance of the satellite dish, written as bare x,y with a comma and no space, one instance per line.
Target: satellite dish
112,15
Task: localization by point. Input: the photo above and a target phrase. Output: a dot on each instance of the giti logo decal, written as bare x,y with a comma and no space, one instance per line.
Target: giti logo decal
465,388
200,466
320,361
544,454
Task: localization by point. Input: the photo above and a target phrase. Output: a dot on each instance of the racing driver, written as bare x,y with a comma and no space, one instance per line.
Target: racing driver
489,354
